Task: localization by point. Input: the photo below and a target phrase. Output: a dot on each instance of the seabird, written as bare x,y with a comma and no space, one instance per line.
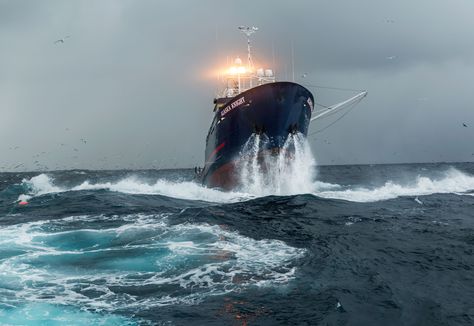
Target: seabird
391,57
61,40
464,125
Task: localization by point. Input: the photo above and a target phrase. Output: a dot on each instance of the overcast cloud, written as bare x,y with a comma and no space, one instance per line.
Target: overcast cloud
132,86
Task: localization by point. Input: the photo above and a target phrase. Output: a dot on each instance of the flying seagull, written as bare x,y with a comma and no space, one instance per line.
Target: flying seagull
391,57
62,40
464,125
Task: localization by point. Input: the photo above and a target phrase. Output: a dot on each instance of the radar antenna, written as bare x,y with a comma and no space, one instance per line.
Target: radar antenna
248,31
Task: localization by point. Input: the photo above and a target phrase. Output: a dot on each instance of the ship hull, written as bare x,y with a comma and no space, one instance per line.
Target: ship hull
274,110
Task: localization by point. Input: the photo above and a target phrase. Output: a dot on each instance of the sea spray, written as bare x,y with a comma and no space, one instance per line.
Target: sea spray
44,184
296,177
249,166
451,181
105,248
289,171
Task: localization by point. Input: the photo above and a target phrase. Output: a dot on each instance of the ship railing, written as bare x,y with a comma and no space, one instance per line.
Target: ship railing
241,83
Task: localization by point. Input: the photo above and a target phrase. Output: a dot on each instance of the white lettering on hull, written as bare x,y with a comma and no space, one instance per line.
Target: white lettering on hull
232,106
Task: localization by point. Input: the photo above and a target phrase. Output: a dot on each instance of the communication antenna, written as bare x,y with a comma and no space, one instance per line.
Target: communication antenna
293,61
248,31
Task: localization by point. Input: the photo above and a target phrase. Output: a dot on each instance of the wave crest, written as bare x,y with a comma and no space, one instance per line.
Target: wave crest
452,181
44,184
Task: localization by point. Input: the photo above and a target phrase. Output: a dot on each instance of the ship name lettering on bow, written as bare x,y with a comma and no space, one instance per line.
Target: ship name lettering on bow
232,106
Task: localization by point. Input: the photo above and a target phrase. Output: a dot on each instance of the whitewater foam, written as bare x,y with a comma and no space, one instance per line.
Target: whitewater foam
295,179
44,184
48,314
291,171
95,268
453,181
37,186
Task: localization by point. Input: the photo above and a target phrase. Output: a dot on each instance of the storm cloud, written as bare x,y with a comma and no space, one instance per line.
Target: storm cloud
132,87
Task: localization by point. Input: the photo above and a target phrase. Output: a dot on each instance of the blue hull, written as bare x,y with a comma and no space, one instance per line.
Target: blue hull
275,110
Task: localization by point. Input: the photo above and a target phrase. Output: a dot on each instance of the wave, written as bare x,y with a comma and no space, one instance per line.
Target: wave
451,181
48,314
291,171
104,269
44,184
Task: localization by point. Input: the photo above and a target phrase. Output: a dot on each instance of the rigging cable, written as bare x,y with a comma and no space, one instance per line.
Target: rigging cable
351,107
335,88
342,108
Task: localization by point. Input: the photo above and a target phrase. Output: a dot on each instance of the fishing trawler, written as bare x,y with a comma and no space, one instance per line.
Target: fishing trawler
252,102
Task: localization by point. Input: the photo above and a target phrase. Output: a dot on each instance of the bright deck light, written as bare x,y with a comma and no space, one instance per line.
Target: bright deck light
237,70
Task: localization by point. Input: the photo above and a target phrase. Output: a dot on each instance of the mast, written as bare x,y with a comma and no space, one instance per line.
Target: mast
248,31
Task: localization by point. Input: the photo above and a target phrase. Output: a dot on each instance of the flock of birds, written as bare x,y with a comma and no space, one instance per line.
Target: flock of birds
73,149
37,156
41,156
390,21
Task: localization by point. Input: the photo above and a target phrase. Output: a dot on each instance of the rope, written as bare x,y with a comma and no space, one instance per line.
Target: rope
342,108
335,88
351,107
322,105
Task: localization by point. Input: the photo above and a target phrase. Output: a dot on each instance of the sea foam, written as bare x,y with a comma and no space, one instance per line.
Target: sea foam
298,178
44,184
101,269
452,181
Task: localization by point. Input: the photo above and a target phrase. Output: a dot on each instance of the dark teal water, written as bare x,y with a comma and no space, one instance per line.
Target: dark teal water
368,245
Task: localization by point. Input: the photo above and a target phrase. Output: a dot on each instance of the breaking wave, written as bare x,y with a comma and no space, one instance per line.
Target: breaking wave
290,172
44,184
453,181
296,180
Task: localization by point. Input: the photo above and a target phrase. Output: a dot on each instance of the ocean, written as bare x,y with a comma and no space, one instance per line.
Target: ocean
350,245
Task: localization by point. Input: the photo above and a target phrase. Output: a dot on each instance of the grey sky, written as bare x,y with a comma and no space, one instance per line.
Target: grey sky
135,81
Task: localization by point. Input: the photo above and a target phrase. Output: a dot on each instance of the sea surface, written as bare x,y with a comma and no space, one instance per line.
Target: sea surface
356,245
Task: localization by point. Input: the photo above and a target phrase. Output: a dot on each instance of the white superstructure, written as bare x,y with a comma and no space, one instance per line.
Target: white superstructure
239,77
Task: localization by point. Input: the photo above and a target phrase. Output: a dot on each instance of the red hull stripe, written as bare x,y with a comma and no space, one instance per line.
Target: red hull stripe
214,152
